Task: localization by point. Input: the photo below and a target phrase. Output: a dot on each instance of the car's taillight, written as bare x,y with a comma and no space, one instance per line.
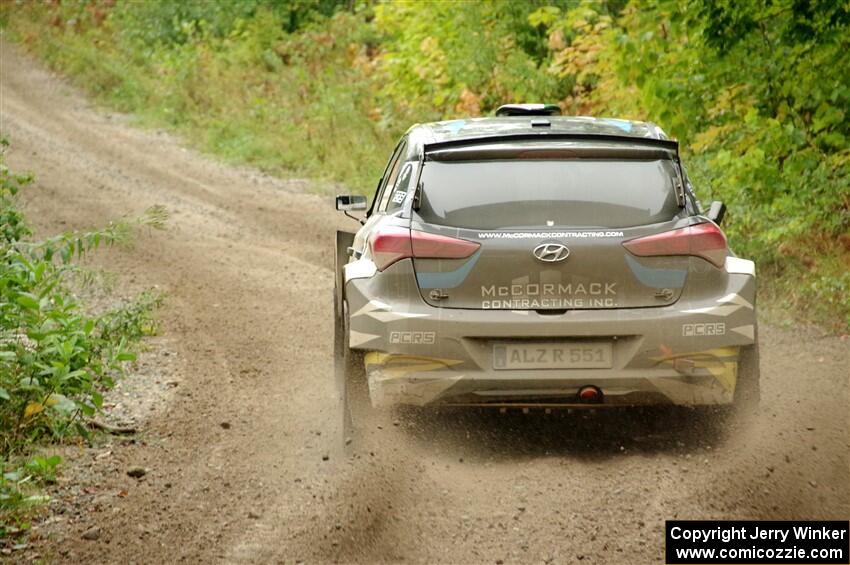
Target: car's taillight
702,240
434,246
393,243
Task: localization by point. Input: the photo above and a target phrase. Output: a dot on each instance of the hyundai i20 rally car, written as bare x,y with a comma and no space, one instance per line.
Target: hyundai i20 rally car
531,259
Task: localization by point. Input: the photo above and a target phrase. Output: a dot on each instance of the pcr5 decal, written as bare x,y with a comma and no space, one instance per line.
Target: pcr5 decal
413,338
695,330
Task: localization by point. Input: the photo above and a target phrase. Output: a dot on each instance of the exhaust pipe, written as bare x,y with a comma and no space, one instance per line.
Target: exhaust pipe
590,395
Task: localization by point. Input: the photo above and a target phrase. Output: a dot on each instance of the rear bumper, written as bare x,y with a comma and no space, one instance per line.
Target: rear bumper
420,381
685,354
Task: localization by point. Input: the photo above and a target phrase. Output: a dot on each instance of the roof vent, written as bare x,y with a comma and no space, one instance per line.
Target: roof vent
528,110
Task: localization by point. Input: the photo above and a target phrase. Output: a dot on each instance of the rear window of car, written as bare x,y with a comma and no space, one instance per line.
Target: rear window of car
573,192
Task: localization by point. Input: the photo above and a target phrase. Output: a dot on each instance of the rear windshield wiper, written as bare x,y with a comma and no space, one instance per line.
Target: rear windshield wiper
417,196
680,182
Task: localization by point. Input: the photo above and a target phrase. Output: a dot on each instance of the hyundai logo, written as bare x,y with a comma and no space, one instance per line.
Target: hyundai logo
551,252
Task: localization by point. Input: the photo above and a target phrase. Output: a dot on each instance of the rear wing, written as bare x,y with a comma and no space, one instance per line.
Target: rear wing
668,144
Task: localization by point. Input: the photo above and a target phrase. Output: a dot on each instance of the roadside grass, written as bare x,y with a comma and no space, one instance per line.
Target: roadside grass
57,357
808,289
234,96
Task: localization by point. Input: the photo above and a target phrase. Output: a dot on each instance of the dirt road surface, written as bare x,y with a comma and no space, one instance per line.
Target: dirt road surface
247,269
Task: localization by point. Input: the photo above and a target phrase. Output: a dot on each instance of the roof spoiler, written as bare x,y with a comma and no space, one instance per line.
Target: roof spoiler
669,144
496,151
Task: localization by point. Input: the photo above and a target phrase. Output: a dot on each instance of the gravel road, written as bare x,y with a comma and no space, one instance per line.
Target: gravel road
241,460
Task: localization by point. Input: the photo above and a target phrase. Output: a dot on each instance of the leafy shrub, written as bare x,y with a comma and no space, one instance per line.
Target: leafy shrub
56,360
445,59
20,492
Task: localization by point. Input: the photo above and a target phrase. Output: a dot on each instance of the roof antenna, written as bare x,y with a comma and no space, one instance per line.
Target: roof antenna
528,110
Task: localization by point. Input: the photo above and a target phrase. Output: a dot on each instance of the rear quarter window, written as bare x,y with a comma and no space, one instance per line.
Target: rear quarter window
520,193
401,187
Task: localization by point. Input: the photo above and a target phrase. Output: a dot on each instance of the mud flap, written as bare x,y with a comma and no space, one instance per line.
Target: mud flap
344,240
341,354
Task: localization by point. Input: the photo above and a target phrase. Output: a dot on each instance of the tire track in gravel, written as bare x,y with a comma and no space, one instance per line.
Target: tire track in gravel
246,265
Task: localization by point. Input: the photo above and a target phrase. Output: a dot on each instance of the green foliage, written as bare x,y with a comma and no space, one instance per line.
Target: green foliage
56,360
181,21
15,484
444,59
762,112
756,91
43,468
12,223
21,483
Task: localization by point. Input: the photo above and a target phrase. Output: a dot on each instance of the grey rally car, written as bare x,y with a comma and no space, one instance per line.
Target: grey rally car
531,259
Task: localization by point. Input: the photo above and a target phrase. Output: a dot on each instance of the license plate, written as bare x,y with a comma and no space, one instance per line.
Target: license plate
564,355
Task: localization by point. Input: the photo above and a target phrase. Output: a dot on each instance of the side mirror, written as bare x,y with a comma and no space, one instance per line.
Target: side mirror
350,202
716,212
